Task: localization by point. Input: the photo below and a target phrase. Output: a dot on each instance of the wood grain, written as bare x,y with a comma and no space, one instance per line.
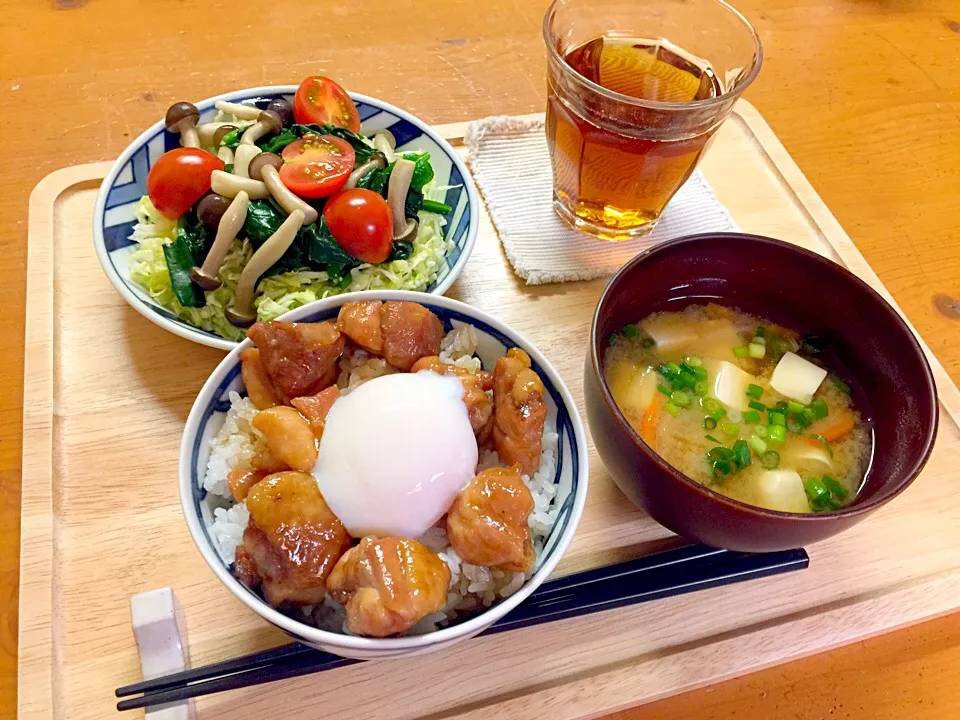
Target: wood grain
864,94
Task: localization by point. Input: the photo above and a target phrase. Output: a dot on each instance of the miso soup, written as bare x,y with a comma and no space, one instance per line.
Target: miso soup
741,405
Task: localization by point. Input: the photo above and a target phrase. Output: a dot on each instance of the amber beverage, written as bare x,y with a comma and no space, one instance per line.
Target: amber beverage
630,112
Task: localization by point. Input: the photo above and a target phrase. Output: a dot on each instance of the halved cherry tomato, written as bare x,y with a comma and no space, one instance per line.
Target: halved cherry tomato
316,166
180,178
361,222
320,100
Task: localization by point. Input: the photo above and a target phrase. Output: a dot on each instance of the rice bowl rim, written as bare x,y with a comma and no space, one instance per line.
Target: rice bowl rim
182,327
467,628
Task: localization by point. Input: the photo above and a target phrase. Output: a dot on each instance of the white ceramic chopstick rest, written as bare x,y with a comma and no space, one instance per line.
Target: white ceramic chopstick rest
160,631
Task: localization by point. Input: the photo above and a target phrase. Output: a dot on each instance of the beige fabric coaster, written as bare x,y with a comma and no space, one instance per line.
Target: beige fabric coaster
511,164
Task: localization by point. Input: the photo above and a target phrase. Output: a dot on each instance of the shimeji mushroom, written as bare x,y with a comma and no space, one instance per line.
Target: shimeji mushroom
208,132
230,185
223,152
377,161
282,108
242,158
397,188
385,142
267,122
241,112
242,313
231,222
264,167
182,118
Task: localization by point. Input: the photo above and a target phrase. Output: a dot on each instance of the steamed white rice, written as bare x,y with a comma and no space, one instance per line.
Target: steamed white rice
472,587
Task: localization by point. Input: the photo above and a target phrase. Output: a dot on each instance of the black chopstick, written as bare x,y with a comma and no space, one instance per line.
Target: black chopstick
664,574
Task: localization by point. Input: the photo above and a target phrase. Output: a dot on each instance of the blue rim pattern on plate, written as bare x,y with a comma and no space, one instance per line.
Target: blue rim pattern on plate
126,184
568,462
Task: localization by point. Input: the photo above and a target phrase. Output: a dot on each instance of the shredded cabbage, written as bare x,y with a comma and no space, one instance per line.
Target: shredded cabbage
278,294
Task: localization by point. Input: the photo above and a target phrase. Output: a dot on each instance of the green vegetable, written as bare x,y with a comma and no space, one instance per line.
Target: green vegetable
756,350
777,433
770,459
376,180
741,351
232,138
612,339
751,416
194,235
836,489
711,405
718,415
630,330
775,417
432,206
672,409
414,203
693,361
794,408
664,389
742,452
400,251
228,168
263,220
819,408
821,493
422,170
277,143
761,431
721,468
757,444
730,428
754,391
781,405
758,406
709,423
179,261
761,331
720,453
700,388
711,438
323,248
823,441
681,399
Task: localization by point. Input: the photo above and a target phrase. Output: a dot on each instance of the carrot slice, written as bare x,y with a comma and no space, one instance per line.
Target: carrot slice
648,429
838,427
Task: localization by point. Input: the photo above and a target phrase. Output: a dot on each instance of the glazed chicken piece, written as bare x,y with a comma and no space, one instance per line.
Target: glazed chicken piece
259,388
479,405
299,358
519,411
246,569
241,480
410,332
290,438
360,321
293,539
388,584
315,408
487,523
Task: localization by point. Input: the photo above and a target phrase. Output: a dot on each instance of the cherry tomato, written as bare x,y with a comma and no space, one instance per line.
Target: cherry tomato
361,222
316,166
180,178
320,100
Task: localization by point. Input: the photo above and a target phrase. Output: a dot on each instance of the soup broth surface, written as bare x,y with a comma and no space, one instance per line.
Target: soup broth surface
721,422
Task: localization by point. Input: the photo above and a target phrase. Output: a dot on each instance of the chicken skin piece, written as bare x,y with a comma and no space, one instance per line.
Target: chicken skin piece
360,321
479,406
289,437
293,539
519,411
246,569
259,388
240,481
410,332
315,408
299,358
487,523
388,584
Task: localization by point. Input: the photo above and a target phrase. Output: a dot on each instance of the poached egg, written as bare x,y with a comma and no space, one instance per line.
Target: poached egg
394,454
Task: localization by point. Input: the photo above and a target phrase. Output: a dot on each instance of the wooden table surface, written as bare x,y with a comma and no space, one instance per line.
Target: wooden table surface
865,94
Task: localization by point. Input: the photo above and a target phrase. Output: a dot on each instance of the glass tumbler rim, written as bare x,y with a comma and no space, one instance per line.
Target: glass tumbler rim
658,104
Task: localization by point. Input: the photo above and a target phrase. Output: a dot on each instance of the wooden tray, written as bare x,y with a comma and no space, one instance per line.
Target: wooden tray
106,395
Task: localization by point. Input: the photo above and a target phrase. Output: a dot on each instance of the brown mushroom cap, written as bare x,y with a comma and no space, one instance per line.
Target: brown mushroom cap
221,132
179,112
262,160
211,208
283,109
270,117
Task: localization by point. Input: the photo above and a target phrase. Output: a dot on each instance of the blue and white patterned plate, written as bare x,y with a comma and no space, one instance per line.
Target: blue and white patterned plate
126,183
494,338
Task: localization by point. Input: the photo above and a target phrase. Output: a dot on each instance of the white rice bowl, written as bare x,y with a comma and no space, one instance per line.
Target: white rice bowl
473,588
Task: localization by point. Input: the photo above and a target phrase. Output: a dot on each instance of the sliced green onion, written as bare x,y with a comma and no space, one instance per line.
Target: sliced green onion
711,438
758,340
730,428
719,414
742,452
709,423
612,339
819,408
761,331
720,453
775,417
755,405
754,391
796,423
823,441
835,488
648,342
809,415
756,350
794,408
781,405
741,351
630,330
681,399
700,373
693,361
760,431
432,206
758,445
751,417
770,459
673,368
700,388
711,405
721,468
819,496
664,389
777,433
672,409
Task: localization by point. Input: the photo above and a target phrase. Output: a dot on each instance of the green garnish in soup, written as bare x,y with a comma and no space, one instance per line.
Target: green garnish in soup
733,402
